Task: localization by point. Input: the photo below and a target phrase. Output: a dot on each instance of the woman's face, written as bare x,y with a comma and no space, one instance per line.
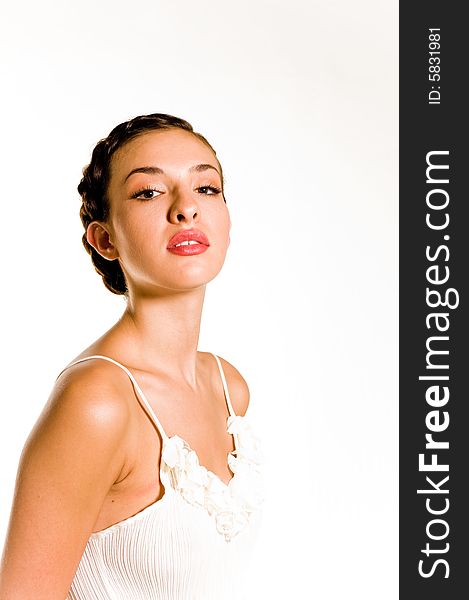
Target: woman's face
162,183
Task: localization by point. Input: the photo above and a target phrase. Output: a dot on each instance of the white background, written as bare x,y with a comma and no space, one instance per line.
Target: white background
299,99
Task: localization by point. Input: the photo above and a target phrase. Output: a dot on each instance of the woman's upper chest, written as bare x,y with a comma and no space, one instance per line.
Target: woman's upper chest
199,419
197,415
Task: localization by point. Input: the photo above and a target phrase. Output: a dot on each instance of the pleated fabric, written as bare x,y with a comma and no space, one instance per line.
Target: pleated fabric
196,542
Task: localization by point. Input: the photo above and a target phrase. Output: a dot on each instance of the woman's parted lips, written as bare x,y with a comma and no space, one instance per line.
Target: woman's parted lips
188,234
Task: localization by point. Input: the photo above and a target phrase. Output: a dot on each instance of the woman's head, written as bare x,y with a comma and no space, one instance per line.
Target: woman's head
140,145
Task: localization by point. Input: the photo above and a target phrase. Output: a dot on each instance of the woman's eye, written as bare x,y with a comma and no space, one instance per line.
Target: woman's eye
209,190
146,193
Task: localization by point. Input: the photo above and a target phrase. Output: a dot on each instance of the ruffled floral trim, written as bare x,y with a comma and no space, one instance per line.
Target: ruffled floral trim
230,504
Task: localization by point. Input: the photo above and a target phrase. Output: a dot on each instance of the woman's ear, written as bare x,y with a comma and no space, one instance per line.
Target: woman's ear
99,237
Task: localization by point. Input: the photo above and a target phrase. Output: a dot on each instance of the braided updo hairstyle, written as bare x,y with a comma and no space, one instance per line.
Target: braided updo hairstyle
94,185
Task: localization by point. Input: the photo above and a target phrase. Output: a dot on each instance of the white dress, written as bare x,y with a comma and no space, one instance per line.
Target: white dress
192,544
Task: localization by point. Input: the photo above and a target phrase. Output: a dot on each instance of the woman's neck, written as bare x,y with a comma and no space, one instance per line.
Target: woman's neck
161,332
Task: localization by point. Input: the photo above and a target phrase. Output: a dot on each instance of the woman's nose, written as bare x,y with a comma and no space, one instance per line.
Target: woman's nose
184,208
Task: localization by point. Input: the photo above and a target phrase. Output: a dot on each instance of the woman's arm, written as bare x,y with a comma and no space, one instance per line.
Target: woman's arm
71,459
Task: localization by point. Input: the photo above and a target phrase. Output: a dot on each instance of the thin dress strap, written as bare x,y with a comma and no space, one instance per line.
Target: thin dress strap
225,386
147,406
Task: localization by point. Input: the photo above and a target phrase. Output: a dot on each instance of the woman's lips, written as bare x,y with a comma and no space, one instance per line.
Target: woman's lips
193,242
189,250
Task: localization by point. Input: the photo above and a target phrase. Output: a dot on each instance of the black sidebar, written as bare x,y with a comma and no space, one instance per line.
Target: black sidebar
434,270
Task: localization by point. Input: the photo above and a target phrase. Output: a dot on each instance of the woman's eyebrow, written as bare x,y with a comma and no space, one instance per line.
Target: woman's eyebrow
158,171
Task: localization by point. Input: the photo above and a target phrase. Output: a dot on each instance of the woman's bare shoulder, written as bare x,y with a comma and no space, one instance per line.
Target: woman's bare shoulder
237,387
86,407
91,391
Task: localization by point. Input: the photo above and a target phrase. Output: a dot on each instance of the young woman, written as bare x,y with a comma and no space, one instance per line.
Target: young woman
141,478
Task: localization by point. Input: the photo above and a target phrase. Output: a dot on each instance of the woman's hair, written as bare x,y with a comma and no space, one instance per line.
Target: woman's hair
94,185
